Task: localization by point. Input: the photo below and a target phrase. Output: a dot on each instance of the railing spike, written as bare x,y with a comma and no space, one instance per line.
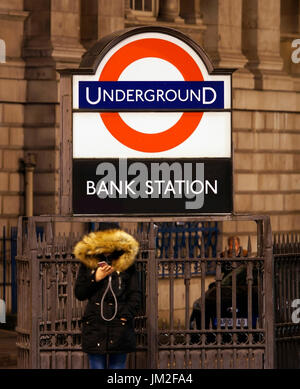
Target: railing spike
226,252
171,247
39,245
226,325
32,234
278,239
49,233
275,242
242,324
234,253
249,247
293,246
202,251
282,245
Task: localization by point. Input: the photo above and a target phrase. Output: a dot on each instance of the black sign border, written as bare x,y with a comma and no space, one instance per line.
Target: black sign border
88,66
79,197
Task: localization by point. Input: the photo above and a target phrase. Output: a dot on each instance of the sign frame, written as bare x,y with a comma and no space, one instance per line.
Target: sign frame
88,66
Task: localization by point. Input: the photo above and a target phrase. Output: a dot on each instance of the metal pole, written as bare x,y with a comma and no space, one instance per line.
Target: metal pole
269,294
151,303
13,253
35,292
30,163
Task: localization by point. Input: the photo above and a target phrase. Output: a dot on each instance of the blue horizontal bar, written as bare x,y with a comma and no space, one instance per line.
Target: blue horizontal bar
143,95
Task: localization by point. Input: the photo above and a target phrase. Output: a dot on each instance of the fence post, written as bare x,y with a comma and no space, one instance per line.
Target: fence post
151,303
13,253
269,294
34,293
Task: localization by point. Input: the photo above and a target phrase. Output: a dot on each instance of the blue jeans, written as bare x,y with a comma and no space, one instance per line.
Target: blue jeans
115,361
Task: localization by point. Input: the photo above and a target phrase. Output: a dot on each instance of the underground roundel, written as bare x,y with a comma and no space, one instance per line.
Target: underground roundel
153,97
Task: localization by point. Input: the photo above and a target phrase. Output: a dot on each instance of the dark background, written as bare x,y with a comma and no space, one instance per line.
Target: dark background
85,169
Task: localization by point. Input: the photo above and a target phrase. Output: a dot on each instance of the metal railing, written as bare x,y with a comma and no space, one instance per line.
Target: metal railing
286,250
180,239
8,278
49,316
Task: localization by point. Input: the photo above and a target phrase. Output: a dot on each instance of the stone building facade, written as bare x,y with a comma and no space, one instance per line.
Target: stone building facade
253,36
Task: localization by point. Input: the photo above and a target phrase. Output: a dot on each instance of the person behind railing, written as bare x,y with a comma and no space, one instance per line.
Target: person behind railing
108,278
234,250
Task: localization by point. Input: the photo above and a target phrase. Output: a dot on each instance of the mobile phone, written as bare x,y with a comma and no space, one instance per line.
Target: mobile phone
102,264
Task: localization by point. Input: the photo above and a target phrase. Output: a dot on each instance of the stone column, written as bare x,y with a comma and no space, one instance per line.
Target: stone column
182,15
110,16
102,17
64,31
261,43
12,99
128,11
169,11
223,37
190,11
51,42
89,23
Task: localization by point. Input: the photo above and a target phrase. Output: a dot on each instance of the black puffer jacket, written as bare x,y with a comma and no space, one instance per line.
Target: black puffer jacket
98,335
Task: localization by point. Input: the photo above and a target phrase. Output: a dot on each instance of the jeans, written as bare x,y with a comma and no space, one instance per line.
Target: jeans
115,361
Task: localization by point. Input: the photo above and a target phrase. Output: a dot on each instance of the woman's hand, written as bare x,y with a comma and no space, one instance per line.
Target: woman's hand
103,272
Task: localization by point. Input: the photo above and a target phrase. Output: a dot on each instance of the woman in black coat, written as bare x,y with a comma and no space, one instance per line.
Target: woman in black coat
107,277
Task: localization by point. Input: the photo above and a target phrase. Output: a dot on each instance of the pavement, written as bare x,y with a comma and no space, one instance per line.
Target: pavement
8,349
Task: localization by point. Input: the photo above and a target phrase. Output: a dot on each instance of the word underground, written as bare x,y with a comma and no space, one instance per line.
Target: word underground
154,94
159,185
136,95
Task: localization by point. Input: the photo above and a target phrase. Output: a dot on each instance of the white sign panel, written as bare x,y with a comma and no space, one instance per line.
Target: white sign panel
159,134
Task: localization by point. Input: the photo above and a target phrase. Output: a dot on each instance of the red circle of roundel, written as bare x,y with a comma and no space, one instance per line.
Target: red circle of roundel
186,125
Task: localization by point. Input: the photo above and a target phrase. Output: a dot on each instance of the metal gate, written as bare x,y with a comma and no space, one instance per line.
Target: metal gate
286,249
8,282
239,334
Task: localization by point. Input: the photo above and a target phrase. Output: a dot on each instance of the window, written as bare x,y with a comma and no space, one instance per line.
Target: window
147,6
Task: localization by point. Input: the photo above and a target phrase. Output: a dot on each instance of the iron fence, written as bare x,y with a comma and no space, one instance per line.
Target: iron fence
286,250
8,280
187,238
49,316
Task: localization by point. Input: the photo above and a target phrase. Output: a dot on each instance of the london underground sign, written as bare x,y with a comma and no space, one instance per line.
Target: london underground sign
151,126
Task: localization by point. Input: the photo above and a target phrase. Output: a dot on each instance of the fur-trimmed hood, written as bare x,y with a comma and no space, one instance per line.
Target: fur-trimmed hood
107,242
